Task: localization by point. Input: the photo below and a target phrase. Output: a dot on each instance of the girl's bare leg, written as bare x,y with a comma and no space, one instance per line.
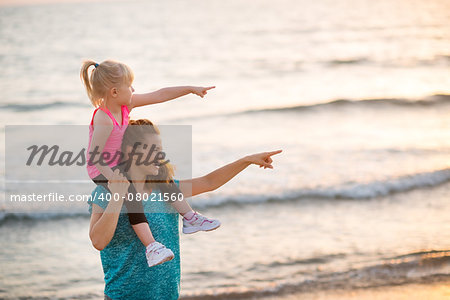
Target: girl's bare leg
182,207
144,233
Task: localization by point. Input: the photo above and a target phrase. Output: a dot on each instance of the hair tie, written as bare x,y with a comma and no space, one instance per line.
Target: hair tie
96,65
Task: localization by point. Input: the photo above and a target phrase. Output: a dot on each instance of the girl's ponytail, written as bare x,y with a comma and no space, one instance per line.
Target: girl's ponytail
87,81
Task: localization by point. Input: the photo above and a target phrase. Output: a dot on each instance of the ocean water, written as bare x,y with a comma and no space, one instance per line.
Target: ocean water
355,92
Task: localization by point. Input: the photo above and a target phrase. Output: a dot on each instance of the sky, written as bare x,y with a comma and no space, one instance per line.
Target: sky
33,2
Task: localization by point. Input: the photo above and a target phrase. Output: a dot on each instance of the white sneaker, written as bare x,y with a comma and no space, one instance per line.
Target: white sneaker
199,222
157,253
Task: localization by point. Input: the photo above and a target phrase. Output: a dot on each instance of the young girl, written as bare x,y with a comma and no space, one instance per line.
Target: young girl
110,90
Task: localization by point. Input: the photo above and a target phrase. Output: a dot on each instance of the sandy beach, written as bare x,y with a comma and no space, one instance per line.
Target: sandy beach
430,291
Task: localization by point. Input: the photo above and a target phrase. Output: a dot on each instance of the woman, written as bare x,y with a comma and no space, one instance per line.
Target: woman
127,275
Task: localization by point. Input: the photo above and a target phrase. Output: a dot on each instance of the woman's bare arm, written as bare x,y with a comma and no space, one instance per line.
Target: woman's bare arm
104,222
219,177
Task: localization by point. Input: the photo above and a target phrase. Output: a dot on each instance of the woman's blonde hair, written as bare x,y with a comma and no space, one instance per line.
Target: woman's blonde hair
103,77
137,133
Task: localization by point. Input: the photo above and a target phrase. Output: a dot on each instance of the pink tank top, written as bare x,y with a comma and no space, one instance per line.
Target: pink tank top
113,143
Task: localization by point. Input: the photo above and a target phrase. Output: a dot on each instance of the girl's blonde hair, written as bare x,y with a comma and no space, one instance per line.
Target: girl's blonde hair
103,77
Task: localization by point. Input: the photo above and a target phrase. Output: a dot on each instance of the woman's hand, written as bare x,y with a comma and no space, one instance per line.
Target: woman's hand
262,159
118,184
200,91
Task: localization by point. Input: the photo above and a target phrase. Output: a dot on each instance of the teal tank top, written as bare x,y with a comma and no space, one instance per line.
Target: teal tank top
126,273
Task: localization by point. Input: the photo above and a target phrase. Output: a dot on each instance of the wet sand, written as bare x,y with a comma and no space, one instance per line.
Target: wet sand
430,291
